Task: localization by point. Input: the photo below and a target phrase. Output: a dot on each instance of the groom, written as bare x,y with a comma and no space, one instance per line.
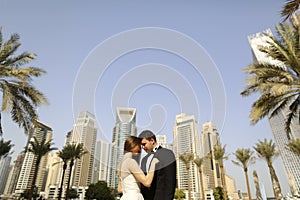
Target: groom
164,181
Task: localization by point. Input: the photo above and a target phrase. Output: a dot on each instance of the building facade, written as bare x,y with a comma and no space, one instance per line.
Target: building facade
54,167
84,132
211,169
41,132
125,126
101,162
4,171
187,139
13,176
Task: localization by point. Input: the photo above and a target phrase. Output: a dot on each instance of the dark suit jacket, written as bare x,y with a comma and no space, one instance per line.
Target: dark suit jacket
164,180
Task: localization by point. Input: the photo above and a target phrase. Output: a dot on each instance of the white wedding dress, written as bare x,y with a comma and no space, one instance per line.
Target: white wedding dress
130,186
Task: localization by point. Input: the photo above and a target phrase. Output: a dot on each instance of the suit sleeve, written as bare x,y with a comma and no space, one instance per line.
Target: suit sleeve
171,176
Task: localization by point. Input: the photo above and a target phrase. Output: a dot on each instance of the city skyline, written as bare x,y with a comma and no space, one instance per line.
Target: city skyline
182,123
64,35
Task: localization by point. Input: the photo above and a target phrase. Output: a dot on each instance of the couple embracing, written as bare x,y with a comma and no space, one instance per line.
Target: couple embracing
155,179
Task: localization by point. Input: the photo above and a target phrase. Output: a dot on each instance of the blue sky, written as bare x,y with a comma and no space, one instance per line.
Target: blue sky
72,37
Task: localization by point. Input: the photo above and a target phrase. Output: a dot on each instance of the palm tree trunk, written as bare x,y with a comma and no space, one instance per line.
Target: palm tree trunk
257,188
189,184
1,132
275,183
69,178
37,162
247,182
62,181
202,184
223,180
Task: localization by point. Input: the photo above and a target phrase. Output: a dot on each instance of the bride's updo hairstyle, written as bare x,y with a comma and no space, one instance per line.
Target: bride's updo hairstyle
131,142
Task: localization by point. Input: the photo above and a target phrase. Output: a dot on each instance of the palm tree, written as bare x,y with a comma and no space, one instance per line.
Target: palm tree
277,82
39,149
19,96
199,161
76,152
5,147
294,146
257,187
243,158
219,156
290,7
186,158
65,154
266,150
179,194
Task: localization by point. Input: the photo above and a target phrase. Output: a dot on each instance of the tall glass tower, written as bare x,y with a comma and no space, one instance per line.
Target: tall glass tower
125,126
211,169
277,123
102,157
85,132
187,139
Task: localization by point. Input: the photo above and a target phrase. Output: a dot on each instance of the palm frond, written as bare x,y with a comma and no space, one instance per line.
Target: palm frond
294,146
186,157
19,60
20,98
9,47
1,37
266,150
5,148
290,7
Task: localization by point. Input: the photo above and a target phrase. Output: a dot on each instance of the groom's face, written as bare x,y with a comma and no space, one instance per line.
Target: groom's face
148,145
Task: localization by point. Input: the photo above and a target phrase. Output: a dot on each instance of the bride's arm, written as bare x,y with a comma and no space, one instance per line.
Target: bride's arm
119,182
146,180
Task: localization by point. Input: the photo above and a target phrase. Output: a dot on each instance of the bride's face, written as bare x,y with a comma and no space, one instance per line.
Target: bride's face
136,153
136,150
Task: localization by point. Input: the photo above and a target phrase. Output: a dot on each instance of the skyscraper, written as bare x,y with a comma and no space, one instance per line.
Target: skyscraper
84,132
13,176
54,175
102,158
4,171
211,169
291,161
162,141
41,132
277,123
125,126
186,139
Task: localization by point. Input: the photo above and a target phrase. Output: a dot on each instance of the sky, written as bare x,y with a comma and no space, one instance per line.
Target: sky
160,57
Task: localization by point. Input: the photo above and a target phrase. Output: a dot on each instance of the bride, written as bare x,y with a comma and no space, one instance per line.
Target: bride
130,174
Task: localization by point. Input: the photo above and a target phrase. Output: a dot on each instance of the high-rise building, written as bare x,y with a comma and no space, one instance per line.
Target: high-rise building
41,132
4,171
290,160
102,158
211,169
187,139
84,132
13,176
277,123
231,188
162,141
125,126
54,175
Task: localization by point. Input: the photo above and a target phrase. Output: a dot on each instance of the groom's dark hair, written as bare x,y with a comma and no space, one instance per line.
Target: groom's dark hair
148,135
